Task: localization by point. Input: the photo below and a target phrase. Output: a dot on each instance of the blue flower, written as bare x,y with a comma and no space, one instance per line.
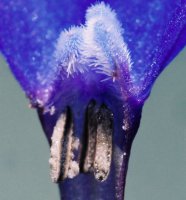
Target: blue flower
88,68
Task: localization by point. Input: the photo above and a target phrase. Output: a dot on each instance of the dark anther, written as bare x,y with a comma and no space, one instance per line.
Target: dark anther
103,148
90,135
99,141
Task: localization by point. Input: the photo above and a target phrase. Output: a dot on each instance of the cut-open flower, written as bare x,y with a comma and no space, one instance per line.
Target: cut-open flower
88,68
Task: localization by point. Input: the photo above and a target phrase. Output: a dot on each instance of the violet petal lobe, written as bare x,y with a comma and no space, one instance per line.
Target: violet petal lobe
26,42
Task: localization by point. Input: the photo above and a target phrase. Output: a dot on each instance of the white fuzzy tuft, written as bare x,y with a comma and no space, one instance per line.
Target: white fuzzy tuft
67,52
100,10
98,45
103,45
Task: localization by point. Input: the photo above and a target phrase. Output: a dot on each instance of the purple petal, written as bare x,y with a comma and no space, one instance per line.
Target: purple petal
29,31
26,42
173,40
154,33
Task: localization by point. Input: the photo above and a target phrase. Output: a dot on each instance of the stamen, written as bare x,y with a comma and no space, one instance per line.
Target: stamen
103,149
99,141
64,144
70,167
91,138
56,148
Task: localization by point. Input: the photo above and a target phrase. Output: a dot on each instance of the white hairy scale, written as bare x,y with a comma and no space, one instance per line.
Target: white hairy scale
83,48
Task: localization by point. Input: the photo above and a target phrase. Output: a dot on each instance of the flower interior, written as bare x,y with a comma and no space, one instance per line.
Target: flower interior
92,120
